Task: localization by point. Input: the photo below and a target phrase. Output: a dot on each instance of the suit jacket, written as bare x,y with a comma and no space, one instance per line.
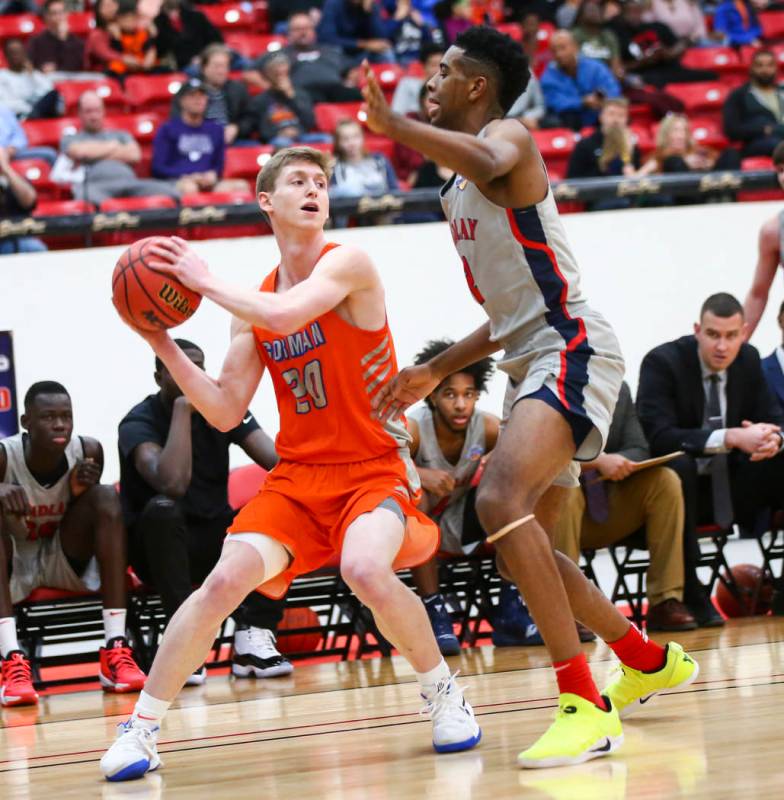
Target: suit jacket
626,437
671,400
771,369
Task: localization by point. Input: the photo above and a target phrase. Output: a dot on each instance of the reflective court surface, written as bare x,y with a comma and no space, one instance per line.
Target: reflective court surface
352,730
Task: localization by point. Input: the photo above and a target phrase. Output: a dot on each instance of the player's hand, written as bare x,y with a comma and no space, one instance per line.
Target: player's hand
13,500
405,389
86,473
437,482
175,256
151,337
379,114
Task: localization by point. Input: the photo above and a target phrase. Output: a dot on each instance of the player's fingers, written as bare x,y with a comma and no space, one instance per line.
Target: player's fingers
163,266
167,255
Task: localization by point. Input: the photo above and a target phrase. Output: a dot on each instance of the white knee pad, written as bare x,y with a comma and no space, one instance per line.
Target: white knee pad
275,556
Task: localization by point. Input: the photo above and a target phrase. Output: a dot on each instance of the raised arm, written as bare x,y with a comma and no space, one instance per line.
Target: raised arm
222,401
341,273
768,257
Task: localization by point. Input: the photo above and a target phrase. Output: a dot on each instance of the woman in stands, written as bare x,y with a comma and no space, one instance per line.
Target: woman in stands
98,51
357,172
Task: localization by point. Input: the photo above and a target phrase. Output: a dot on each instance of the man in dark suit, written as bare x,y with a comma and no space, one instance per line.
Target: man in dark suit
754,113
706,394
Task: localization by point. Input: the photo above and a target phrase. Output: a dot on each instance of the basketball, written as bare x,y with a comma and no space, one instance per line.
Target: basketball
147,298
752,584
294,619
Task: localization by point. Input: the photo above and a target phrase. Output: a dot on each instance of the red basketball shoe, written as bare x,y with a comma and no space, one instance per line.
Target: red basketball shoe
119,672
17,681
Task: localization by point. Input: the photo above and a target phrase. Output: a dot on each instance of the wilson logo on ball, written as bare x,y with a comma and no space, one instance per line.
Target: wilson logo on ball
175,300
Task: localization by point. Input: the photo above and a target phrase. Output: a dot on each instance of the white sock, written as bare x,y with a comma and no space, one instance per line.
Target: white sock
113,623
149,711
8,640
428,680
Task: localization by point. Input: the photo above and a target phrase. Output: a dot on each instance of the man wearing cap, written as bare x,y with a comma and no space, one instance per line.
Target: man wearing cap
190,149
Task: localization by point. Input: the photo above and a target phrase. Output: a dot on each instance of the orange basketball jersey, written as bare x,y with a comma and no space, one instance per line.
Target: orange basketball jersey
325,376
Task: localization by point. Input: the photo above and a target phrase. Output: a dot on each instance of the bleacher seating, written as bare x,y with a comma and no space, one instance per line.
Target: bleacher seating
245,162
108,89
19,26
48,132
329,114
556,145
704,98
253,45
230,16
772,23
37,172
723,60
153,93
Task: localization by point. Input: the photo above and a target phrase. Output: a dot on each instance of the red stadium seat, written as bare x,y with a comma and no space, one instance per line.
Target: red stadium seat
543,36
80,23
388,75
758,164
645,140
329,114
555,145
261,16
717,59
380,144
107,89
130,204
48,132
36,171
62,208
705,98
708,132
19,26
512,29
244,484
245,162
253,45
201,199
153,93
229,17
141,126
772,23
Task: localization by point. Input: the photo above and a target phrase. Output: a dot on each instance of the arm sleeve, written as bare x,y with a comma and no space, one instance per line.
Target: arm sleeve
245,428
606,81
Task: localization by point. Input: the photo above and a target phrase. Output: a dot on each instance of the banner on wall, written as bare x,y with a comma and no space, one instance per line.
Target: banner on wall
9,415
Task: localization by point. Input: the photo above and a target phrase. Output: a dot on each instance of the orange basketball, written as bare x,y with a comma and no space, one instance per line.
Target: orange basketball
752,583
147,298
294,619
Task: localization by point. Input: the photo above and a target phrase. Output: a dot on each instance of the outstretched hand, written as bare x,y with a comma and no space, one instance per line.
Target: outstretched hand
379,114
176,257
405,389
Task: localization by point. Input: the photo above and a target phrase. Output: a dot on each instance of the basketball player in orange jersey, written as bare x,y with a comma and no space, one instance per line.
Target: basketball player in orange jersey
565,370
344,484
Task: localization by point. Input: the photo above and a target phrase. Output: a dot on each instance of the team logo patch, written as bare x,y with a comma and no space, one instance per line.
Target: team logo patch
476,452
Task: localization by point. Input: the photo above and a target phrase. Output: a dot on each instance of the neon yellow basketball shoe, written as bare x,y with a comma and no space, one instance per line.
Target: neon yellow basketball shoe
632,688
581,731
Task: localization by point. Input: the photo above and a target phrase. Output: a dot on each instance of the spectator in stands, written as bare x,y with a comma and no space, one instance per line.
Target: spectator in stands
320,69
595,39
283,114
615,501
407,30
651,50
26,91
706,394
566,14
183,33
452,439
684,18
754,113
63,529
17,200
356,26
228,100
133,42
190,149
14,139
358,173
103,159
738,22
454,17
174,472
56,49
98,50
280,11
530,107
406,100
769,256
611,149
773,365
574,86
678,151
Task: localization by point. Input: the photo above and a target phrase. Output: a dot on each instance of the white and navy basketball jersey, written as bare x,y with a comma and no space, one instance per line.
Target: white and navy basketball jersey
430,456
48,502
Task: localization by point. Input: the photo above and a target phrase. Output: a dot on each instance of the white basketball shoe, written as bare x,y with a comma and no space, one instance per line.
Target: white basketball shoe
454,726
133,753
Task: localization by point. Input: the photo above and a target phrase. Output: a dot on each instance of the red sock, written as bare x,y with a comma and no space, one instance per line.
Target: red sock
638,652
574,676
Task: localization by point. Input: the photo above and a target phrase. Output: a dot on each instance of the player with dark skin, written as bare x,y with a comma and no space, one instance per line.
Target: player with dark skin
92,524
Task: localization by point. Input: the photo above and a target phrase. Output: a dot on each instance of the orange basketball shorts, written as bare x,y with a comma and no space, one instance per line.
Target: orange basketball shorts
308,507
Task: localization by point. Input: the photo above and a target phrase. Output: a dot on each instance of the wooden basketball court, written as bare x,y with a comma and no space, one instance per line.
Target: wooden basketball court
351,730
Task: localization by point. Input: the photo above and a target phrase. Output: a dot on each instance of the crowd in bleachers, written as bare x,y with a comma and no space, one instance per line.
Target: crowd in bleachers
607,79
